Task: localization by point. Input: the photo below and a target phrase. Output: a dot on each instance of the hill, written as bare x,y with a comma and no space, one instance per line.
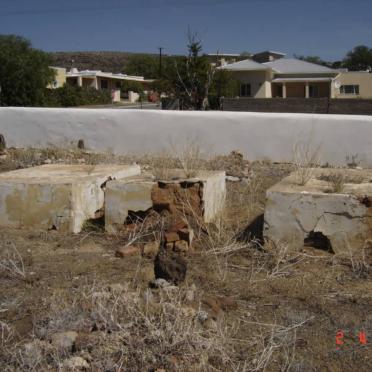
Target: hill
104,61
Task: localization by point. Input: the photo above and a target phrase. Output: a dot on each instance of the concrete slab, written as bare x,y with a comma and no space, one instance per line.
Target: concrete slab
122,196
206,189
343,215
56,196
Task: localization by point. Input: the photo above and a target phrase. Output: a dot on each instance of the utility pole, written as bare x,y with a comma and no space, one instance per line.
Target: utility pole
160,62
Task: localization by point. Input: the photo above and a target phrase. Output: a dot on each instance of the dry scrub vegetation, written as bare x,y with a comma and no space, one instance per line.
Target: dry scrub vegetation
244,306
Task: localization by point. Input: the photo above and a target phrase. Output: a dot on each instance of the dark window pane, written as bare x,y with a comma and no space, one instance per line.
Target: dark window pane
104,84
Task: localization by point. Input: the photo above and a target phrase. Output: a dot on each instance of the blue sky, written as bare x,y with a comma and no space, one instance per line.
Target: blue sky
328,28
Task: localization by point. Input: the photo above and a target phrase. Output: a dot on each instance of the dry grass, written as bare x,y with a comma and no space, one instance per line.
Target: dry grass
306,157
11,262
190,156
149,328
337,179
289,304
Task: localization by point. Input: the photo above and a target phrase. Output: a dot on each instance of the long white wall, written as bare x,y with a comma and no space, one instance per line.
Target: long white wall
257,135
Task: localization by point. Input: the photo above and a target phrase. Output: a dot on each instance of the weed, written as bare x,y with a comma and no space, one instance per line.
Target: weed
12,264
306,157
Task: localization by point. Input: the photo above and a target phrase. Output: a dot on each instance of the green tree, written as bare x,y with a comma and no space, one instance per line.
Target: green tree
189,78
143,65
224,84
359,59
24,72
134,86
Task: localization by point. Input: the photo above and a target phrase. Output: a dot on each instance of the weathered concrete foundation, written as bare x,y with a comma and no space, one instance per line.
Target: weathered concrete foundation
314,214
58,197
203,195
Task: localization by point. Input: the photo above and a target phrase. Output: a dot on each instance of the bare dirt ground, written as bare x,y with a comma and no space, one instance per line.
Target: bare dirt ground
243,307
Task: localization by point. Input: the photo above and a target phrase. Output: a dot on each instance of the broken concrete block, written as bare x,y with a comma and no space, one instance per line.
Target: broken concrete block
123,197
315,215
204,196
55,196
214,193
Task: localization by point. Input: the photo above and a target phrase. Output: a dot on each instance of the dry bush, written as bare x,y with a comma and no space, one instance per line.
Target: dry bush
336,181
282,259
306,157
12,263
356,260
189,155
161,165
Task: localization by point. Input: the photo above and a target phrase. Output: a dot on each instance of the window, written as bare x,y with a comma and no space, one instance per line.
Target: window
104,84
313,91
245,90
349,89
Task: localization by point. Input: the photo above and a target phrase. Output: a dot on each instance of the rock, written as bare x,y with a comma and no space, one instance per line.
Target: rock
64,340
170,266
127,251
169,246
181,246
151,249
171,237
2,142
80,144
81,161
202,316
47,161
160,283
3,156
232,179
186,234
75,363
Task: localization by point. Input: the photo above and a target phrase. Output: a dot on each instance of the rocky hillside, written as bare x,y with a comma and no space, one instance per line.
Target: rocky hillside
104,61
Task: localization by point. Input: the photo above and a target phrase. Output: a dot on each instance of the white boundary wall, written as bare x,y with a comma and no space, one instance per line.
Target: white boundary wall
256,135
